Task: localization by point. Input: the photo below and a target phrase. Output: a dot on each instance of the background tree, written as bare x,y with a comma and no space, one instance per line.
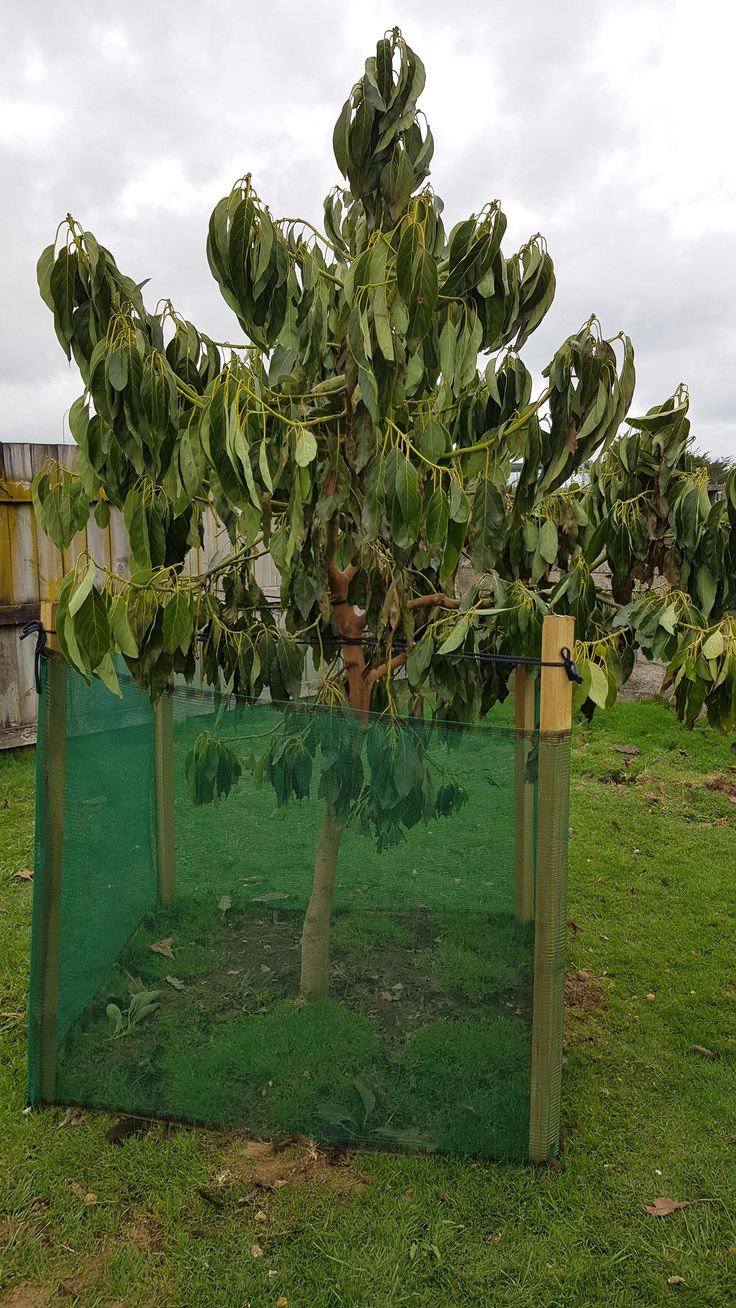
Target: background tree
354,438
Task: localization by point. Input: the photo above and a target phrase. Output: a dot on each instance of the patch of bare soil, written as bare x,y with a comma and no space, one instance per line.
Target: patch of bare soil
24,1296
723,785
392,983
583,991
142,1231
272,1166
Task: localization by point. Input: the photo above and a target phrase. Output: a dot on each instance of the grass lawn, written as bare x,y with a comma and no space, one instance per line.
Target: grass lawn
174,1218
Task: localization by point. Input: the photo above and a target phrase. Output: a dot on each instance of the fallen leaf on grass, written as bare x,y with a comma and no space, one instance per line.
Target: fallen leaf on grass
225,903
700,1049
86,1196
662,1207
630,750
23,874
255,1149
493,1238
574,926
272,894
163,947
676,1280
175,982
124,1127
256,1251
72,1286
261,1216
282,1301
74,1117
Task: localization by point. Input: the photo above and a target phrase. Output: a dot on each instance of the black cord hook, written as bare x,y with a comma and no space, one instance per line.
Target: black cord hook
36,627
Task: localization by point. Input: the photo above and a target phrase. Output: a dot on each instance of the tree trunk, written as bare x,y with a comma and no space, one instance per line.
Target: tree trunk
316,931
315,978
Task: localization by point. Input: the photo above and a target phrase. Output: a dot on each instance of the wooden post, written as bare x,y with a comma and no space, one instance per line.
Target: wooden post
523,796
47,887
555,720
163,738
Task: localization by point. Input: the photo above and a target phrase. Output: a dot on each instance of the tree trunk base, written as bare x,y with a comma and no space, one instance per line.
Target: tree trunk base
315,975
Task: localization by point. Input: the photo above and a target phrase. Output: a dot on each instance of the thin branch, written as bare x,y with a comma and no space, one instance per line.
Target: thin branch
426,601
397,662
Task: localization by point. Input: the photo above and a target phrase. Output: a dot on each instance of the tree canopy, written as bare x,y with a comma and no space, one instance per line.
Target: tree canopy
354,437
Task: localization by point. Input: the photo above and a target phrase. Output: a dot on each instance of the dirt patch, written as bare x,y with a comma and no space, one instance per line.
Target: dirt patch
142,1231
300,1163
723,785
24,1296
583,991
397,984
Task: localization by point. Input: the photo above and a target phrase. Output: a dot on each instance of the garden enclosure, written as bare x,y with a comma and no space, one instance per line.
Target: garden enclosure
166,933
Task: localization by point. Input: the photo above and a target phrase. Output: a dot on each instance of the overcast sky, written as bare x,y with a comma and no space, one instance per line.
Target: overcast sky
609,128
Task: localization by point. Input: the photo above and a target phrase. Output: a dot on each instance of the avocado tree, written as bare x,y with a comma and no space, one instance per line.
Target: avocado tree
421,511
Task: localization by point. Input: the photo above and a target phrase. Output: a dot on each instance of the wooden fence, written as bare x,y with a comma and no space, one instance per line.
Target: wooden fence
31,568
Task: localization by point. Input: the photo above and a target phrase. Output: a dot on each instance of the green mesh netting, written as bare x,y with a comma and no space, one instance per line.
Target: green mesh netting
424,1040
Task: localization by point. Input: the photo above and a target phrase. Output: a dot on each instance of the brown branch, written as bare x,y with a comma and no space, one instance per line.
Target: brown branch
425,601
397,661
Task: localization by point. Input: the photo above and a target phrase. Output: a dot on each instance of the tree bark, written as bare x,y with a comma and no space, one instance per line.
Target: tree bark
315,976
315,968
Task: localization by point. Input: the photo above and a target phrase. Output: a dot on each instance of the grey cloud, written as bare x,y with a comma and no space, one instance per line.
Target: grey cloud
138,119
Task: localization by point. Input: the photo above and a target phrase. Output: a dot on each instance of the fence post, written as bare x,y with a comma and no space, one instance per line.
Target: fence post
163,748
47,891
523,796
555,716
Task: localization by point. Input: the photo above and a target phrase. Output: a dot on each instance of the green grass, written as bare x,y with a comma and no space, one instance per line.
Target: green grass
653,891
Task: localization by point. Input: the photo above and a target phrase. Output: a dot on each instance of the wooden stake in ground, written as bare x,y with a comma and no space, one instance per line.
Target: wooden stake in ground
163,746
555,720
48,873
524,694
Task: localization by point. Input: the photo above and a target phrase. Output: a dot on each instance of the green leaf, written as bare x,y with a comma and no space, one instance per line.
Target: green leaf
456,636
547,544
108,676
61,288
83,589
178,619
117,368
419,660
263,466
598,685
407,492
121,630
459,505
714,646
102,514
92,629
486,525
306,447
438,516
424,295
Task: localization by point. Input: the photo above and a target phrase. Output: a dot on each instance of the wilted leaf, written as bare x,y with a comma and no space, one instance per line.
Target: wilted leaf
175,982
700,1049
163,947
662,1207
630,750
272,894
72,1286
74,1117
260,1216
23,874
225,903
675,1280
256,1251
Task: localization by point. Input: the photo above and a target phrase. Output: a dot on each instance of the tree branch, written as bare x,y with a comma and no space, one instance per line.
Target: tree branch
425,601
397,662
